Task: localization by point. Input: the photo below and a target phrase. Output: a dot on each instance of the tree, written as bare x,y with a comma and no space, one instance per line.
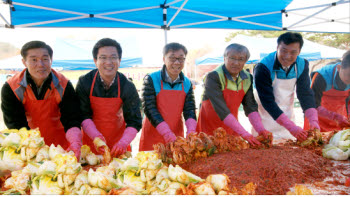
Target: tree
7,50
337,40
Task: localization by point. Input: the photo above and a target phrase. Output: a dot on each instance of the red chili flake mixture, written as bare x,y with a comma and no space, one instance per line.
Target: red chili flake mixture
274,170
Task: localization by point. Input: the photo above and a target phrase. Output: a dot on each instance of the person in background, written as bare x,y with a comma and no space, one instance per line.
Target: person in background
226,88
167,94
109,102
331,86
276,77
40,97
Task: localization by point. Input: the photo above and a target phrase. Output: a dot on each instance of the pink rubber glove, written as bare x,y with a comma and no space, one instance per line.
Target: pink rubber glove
296,131
90,129
338,118
75,139
255,120
164,130
190,125
311,115
121,146
232,122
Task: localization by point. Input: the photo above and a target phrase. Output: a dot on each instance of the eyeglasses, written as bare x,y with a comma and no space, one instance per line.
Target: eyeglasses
104,58
180,59
240,60
34,60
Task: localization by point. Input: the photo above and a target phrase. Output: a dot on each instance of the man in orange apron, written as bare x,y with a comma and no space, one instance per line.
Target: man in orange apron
109,102
167,94
331,86
226,88
39,97
276,77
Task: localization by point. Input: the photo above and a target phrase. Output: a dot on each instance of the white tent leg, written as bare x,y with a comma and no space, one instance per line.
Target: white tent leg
166,36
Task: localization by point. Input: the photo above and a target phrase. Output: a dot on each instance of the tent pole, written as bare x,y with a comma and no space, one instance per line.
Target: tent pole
166,36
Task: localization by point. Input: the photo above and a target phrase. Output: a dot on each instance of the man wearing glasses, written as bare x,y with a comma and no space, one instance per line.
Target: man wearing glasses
109,102
226,88
167,94
40,97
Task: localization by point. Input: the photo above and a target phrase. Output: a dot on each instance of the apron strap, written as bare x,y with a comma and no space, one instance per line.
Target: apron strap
93,83
118,85
333,76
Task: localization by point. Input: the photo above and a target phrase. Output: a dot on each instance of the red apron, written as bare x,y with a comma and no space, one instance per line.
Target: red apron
209,120
108,118
46,115
335,101
170,104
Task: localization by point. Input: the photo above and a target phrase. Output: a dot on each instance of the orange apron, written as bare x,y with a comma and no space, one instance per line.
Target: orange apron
170,104
209,120
335,101
108,118
46,115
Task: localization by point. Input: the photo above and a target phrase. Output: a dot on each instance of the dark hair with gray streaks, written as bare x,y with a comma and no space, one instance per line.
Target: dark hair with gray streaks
238,48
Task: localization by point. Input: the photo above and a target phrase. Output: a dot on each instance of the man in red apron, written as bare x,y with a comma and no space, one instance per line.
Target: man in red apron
39,97
331,86
167,94
109,102
276,77
226,88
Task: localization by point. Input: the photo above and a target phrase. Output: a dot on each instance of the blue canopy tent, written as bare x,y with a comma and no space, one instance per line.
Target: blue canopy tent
296,15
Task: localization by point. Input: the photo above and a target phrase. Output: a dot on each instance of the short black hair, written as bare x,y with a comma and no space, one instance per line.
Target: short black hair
106,42
291,37
35,44
345,63
174,46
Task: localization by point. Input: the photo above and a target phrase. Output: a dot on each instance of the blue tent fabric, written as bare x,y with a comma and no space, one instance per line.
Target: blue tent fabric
108,13
294,15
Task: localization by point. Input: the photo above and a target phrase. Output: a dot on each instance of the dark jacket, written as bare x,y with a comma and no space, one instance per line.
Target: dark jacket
215,83
149,97
128,94
14,112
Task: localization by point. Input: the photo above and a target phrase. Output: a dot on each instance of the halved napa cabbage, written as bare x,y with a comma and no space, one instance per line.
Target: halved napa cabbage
92,159
106,170
219,181
175,188
11,140
83,190
164,184
10,161
332,152
53,151
131,164
81,179
43,154
31,168
162,174
97,191
67,164
178,174
341,140
202,188
134,182
98,179
44,185
47,168
18,181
